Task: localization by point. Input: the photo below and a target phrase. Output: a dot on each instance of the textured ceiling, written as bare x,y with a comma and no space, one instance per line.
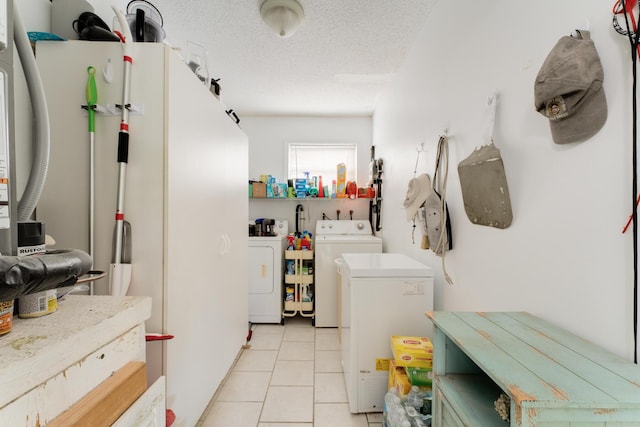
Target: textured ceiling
335,64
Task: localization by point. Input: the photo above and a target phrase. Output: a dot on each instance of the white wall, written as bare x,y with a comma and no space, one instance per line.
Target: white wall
564,257
36,16
268,138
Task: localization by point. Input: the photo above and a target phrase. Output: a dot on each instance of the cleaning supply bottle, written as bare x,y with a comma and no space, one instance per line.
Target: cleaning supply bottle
342,180
309,182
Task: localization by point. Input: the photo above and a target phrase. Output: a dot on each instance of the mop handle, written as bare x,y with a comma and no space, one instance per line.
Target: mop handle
123,135
92,98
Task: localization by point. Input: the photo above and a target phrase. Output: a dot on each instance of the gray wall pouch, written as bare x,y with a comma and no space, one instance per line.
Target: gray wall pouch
484,183
484,188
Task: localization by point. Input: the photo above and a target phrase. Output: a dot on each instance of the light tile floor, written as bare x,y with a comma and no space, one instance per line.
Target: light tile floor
289,376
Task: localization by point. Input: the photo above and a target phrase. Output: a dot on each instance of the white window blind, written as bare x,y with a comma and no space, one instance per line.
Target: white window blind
321,159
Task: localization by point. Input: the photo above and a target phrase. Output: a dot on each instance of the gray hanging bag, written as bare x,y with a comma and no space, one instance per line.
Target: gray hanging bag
484,184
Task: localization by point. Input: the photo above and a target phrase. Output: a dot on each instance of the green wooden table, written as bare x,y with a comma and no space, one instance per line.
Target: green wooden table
552,377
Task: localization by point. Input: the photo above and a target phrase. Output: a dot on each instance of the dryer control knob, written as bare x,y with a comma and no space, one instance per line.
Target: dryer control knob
360,226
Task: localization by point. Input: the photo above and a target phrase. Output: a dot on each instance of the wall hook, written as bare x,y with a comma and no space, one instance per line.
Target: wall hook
585,27
419,149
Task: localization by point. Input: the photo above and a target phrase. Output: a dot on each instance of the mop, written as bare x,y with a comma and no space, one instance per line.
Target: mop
92,99
121,267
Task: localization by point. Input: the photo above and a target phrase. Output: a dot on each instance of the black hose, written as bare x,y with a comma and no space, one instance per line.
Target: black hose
25,275
299,209
633,41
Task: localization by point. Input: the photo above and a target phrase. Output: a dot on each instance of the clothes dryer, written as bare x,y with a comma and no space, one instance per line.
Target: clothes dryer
334,238
266,274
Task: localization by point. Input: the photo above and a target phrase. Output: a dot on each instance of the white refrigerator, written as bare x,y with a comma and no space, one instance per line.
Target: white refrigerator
383,294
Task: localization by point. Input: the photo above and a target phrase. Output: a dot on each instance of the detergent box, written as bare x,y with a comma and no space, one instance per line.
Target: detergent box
413,352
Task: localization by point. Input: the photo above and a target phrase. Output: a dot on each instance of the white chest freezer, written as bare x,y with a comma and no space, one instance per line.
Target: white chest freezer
383,294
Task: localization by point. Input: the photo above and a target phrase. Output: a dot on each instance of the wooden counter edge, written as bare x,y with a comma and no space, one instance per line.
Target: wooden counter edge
103,405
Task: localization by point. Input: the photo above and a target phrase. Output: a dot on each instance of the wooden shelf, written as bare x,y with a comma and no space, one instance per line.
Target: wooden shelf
473,397
298,306
294,254
551,376
304,279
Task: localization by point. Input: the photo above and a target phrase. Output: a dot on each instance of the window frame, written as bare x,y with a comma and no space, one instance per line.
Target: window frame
352,171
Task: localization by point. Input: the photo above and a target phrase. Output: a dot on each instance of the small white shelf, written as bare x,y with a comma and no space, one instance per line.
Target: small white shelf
303,279
293,254
319,199
298,281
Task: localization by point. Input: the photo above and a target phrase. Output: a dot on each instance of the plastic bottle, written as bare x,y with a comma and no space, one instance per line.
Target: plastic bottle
394,416
414,417
428,400
415,398
394,411
320,187
392,397
309,181
391,404
401,420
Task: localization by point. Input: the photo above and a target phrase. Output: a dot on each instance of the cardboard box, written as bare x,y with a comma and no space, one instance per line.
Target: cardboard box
259,190
398,379
421,377
413,352
279,190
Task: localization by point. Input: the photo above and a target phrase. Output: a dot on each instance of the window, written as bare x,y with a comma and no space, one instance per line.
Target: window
321,159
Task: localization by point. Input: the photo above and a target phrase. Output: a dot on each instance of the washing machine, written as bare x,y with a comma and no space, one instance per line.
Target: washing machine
266,269
383,295
332,239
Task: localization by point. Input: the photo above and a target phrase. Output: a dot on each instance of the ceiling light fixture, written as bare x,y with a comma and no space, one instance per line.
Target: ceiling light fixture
282,16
